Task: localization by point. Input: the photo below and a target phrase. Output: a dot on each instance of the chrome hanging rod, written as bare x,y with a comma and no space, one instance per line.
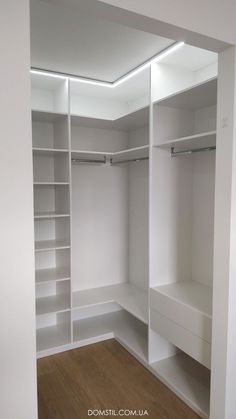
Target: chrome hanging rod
94,161
113,163
187,152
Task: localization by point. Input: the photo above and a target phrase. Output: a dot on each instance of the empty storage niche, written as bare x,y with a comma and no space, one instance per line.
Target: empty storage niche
187,119
50,167
49,94
49,132
183,224
51,201
52,265
111,206
53,331
52,233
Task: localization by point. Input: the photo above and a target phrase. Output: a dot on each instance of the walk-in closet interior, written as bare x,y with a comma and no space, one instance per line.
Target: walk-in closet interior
124,178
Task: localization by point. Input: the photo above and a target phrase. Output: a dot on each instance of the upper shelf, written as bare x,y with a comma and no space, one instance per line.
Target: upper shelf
190,293
196,97
44,116
127,122
202,140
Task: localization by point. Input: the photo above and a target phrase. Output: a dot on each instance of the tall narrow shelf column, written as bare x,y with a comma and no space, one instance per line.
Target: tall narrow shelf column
51,166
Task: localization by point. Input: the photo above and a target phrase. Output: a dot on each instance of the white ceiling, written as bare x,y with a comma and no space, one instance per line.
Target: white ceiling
74,42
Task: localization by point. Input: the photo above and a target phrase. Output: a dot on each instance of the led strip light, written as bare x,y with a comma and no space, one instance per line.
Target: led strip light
158,57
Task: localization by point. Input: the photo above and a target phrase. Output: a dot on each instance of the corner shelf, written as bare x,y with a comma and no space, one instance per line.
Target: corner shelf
131,333
131,298
52,275
204,139
127,122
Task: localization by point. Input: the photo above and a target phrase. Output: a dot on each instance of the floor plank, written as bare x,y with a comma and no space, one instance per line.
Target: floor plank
102,376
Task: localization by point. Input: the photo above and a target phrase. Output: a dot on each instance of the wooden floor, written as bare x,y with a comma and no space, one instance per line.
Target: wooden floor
102,376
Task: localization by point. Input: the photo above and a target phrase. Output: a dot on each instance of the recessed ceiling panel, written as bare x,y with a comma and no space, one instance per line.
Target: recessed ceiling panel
74,42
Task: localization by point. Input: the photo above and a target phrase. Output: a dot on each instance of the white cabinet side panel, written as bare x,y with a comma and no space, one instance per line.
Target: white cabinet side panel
18,346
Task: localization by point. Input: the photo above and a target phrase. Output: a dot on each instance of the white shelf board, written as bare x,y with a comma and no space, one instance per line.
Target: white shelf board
44,245
195,97
51,183
49,151
127,330
131,298
52,337
127,122
86,154
188,379
131,153
52,275
52,304
190,293
191,142
50,214
39,115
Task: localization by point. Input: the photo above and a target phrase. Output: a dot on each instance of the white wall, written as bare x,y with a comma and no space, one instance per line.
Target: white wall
17,311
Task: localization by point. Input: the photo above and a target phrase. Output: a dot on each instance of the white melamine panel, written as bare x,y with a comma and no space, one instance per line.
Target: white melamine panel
191,344
49,130
167,80
18,377
188,379
51,168
192,142
97,139
127,330
53,331
52,274
52,297
197,96
51,198
187,303
100,226
49,94
138,223
99,108
171,218
203,217
52,259
175,124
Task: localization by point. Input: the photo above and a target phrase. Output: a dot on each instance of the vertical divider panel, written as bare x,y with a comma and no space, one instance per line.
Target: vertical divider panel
70,195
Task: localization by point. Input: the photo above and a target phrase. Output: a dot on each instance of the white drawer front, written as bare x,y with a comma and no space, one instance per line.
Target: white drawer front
189,343
186,316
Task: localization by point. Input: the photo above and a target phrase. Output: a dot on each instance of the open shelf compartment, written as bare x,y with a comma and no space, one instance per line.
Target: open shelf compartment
130,297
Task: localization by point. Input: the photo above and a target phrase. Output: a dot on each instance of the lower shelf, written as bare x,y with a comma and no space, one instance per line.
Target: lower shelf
130,332
188,379
130,297
52,337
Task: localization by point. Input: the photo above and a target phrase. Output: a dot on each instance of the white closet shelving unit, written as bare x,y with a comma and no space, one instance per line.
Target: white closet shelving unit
124,218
